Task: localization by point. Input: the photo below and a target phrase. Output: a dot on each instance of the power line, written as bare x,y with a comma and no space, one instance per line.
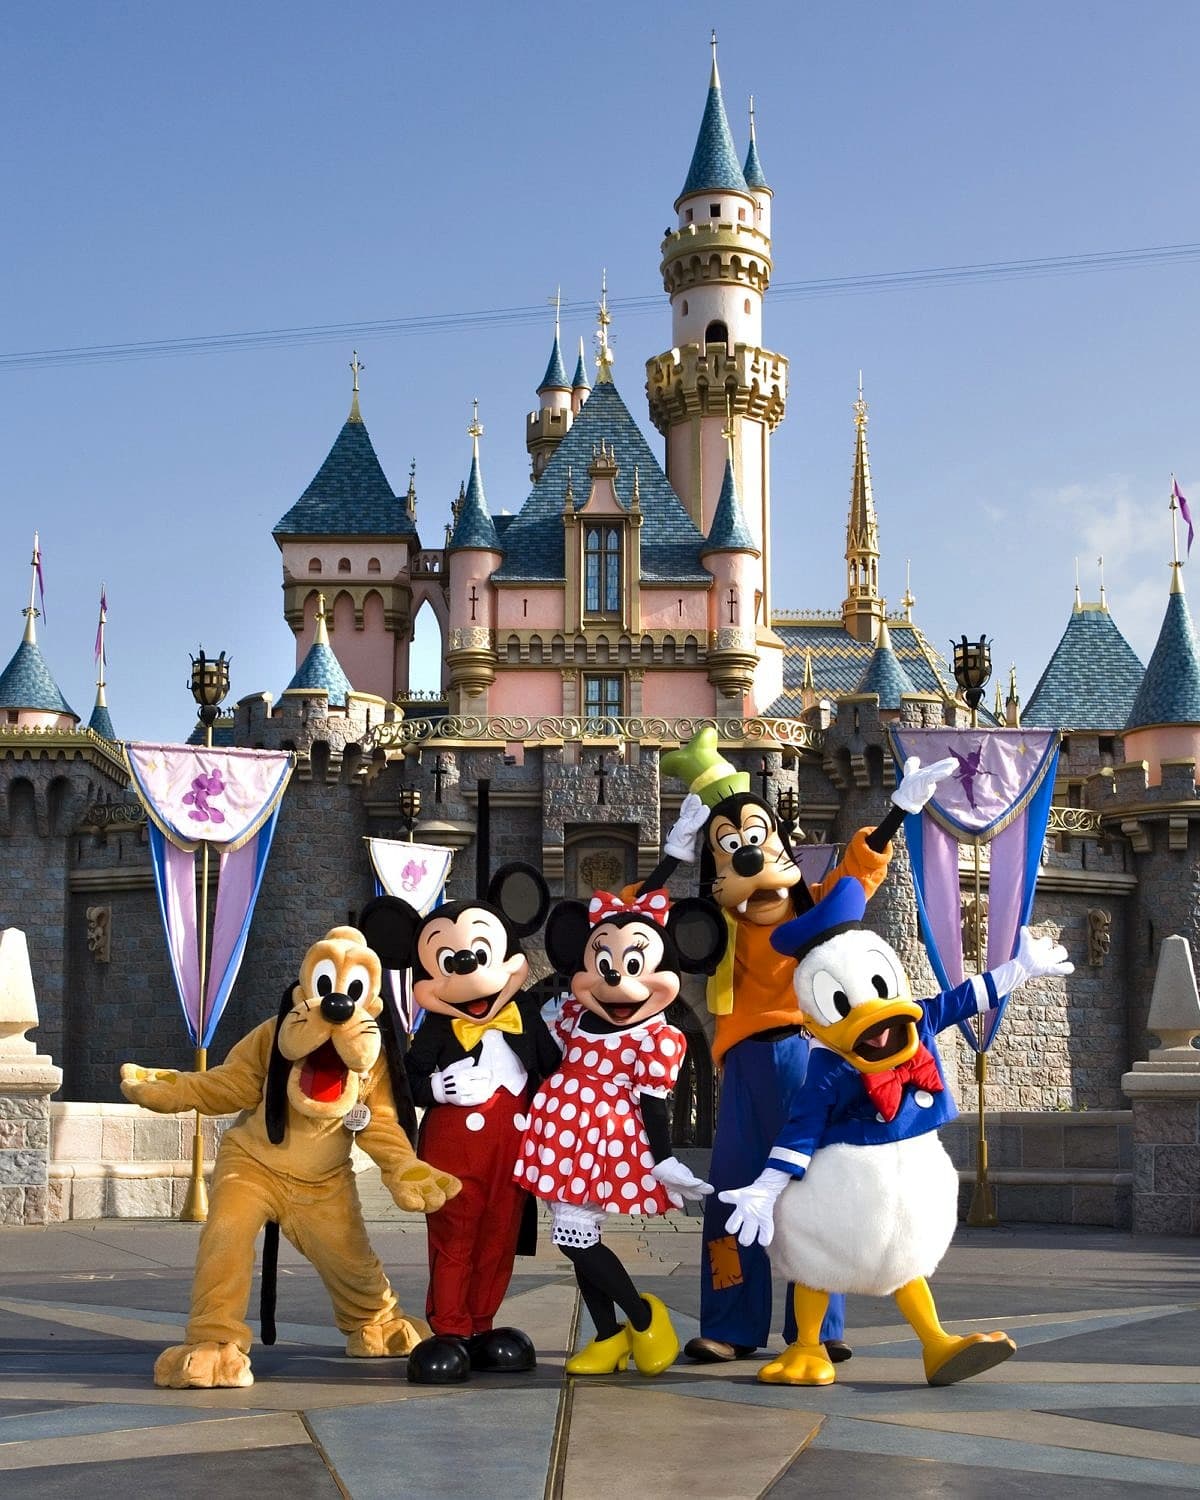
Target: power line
497,317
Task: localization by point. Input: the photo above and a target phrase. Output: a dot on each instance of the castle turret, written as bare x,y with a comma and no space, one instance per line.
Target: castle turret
756,180
546,427
350,538
29,696
885,677
101,720
320,671
581,386
730,555
1164,722
473,554
862,609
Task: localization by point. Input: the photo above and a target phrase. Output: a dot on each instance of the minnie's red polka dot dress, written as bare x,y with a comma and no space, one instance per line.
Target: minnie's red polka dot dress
585,1142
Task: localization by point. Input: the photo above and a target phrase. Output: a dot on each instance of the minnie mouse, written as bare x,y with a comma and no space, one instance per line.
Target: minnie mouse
598,1139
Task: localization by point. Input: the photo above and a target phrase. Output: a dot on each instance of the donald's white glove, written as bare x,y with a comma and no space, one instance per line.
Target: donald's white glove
681,840
680,1181
918,783
1035,957
753,1216
463,1082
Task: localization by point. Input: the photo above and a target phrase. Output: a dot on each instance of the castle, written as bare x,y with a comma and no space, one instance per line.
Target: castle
624,603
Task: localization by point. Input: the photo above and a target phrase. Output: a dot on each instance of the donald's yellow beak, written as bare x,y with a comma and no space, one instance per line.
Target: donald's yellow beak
875,1036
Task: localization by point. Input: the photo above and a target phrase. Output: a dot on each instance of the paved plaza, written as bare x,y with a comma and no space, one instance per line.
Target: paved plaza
1102,1399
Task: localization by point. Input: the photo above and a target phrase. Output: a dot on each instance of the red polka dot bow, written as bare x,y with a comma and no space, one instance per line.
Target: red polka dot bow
653,904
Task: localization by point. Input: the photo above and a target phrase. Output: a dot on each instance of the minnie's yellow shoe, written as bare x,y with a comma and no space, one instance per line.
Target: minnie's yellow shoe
655,1347
602,1356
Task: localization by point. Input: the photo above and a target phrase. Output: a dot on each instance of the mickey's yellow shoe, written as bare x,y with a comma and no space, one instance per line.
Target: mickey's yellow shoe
602,1356
655,1347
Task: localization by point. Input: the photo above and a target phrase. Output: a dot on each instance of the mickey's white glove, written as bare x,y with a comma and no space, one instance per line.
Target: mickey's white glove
753,1216
918,783
1036,956
681,840
680,1181
463,1082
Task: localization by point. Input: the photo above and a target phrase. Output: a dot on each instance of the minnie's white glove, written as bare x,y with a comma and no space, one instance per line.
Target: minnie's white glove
753,1216
918,783
1035,957
681,840
680,1181
463,1082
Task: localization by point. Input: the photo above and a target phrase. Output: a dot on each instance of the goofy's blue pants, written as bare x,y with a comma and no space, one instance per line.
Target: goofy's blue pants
758,1080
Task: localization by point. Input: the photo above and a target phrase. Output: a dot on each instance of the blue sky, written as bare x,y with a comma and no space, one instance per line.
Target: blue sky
197,170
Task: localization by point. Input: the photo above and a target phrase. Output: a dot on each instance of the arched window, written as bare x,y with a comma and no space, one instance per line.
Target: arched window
343,564
373,565
314,565
602,570
716,333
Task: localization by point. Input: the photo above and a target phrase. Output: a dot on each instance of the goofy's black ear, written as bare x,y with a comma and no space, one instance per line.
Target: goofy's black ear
278,1068
566,935
390,928
700,934
520,894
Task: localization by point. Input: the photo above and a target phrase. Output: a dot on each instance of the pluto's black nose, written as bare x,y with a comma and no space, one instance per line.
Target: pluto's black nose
337,1009
748,860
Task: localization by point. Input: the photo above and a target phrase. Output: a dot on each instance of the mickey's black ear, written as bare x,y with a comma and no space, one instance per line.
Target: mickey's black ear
519,892
566,934
390,928
700,934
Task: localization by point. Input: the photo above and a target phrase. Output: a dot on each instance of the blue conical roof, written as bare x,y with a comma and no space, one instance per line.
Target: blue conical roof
729,531
474,528
580,380
101,721
885,675
1170,690
349,495
27,682
555,377
752,171
1092,679
714,161
320,671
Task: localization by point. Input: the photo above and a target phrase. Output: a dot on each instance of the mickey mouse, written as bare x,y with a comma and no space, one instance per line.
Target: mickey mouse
598,1140
476,1059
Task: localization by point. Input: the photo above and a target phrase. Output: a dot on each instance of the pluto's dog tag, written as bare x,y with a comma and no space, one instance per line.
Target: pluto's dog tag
357,1119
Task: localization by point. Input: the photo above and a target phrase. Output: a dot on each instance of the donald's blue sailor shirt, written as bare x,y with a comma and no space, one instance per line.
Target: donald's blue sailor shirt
833,1107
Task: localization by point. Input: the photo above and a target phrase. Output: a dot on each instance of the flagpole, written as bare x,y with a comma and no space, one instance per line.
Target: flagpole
982,1212
195,1205
1174,527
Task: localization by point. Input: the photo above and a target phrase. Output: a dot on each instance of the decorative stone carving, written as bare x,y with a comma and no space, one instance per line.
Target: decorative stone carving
974,953
601,870
99,932
471,638
1099,936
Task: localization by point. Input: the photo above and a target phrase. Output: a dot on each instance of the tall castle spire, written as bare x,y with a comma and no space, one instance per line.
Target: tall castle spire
862,608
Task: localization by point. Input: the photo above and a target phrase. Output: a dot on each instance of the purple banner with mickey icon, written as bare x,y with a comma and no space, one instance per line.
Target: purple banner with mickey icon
227,799
996,800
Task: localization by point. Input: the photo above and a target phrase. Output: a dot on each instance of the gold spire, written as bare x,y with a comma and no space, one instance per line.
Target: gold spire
714,81
808,685
355,368
729,431
604,359
320,633
410,499
32,612
1103,596
860,408
475,431
908,602
998,705
1012,706
862,608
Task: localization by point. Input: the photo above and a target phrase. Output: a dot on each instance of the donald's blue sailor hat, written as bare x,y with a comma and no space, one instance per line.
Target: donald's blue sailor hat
842,908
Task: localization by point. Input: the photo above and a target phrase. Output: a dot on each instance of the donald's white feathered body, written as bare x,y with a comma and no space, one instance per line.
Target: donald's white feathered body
858,1194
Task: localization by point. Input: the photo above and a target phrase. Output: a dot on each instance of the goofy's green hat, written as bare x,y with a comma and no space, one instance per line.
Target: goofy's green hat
705,769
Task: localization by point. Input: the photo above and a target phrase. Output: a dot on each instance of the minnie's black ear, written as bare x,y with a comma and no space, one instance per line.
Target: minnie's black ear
390,928
700,934
518,891
278,1068
566,934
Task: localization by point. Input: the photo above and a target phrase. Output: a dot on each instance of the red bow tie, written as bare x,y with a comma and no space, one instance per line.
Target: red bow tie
653,904
885,1090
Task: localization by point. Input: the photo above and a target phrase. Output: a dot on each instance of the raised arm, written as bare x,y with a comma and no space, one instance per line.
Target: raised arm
235,1084
1035,957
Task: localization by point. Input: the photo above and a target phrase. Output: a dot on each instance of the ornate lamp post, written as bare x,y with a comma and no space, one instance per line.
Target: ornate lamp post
972,669
209,685
787,806
409,800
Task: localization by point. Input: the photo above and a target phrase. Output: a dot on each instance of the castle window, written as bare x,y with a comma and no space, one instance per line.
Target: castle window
602,570
603,697
746,305
714,210
373,565
314,565
716,333
685,307
741,215
688,213
343,564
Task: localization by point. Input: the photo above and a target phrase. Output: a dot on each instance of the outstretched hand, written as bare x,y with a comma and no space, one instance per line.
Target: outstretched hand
681,840
918,783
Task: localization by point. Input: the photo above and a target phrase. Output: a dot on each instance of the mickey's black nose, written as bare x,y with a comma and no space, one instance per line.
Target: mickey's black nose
337,1009
465,962
748,860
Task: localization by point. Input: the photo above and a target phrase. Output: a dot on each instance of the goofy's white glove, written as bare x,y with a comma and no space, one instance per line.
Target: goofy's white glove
1035,957
918,783
680,1181
753,1216
462,1083
681,840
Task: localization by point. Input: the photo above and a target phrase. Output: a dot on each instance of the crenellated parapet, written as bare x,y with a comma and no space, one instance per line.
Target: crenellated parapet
716,251
1153,817
698,380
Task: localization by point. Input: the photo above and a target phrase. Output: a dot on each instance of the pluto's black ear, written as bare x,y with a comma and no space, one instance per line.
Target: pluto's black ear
566,935
278,1068
699,930
520,894
390,928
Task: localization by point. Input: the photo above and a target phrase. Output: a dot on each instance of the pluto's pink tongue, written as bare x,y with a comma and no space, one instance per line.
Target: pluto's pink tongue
323,1074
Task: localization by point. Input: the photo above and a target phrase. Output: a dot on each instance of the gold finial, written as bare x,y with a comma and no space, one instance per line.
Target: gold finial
1078,595
808,685
907,602
604,359
751,119
729,431
998,706
320,632
635,500
860,406
714,81
410,499
1103,597
356,367
569,497
32,612
475,431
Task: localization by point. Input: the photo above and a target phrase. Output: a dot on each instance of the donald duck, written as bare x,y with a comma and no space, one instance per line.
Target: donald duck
858,1194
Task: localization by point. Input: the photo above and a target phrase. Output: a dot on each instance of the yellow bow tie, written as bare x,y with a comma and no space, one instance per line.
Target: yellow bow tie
469,1032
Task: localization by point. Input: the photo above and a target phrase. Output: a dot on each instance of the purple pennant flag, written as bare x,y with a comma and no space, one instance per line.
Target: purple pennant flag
1184,511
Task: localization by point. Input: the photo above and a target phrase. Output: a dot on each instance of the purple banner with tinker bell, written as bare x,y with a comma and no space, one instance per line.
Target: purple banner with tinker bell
999,796
228,799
